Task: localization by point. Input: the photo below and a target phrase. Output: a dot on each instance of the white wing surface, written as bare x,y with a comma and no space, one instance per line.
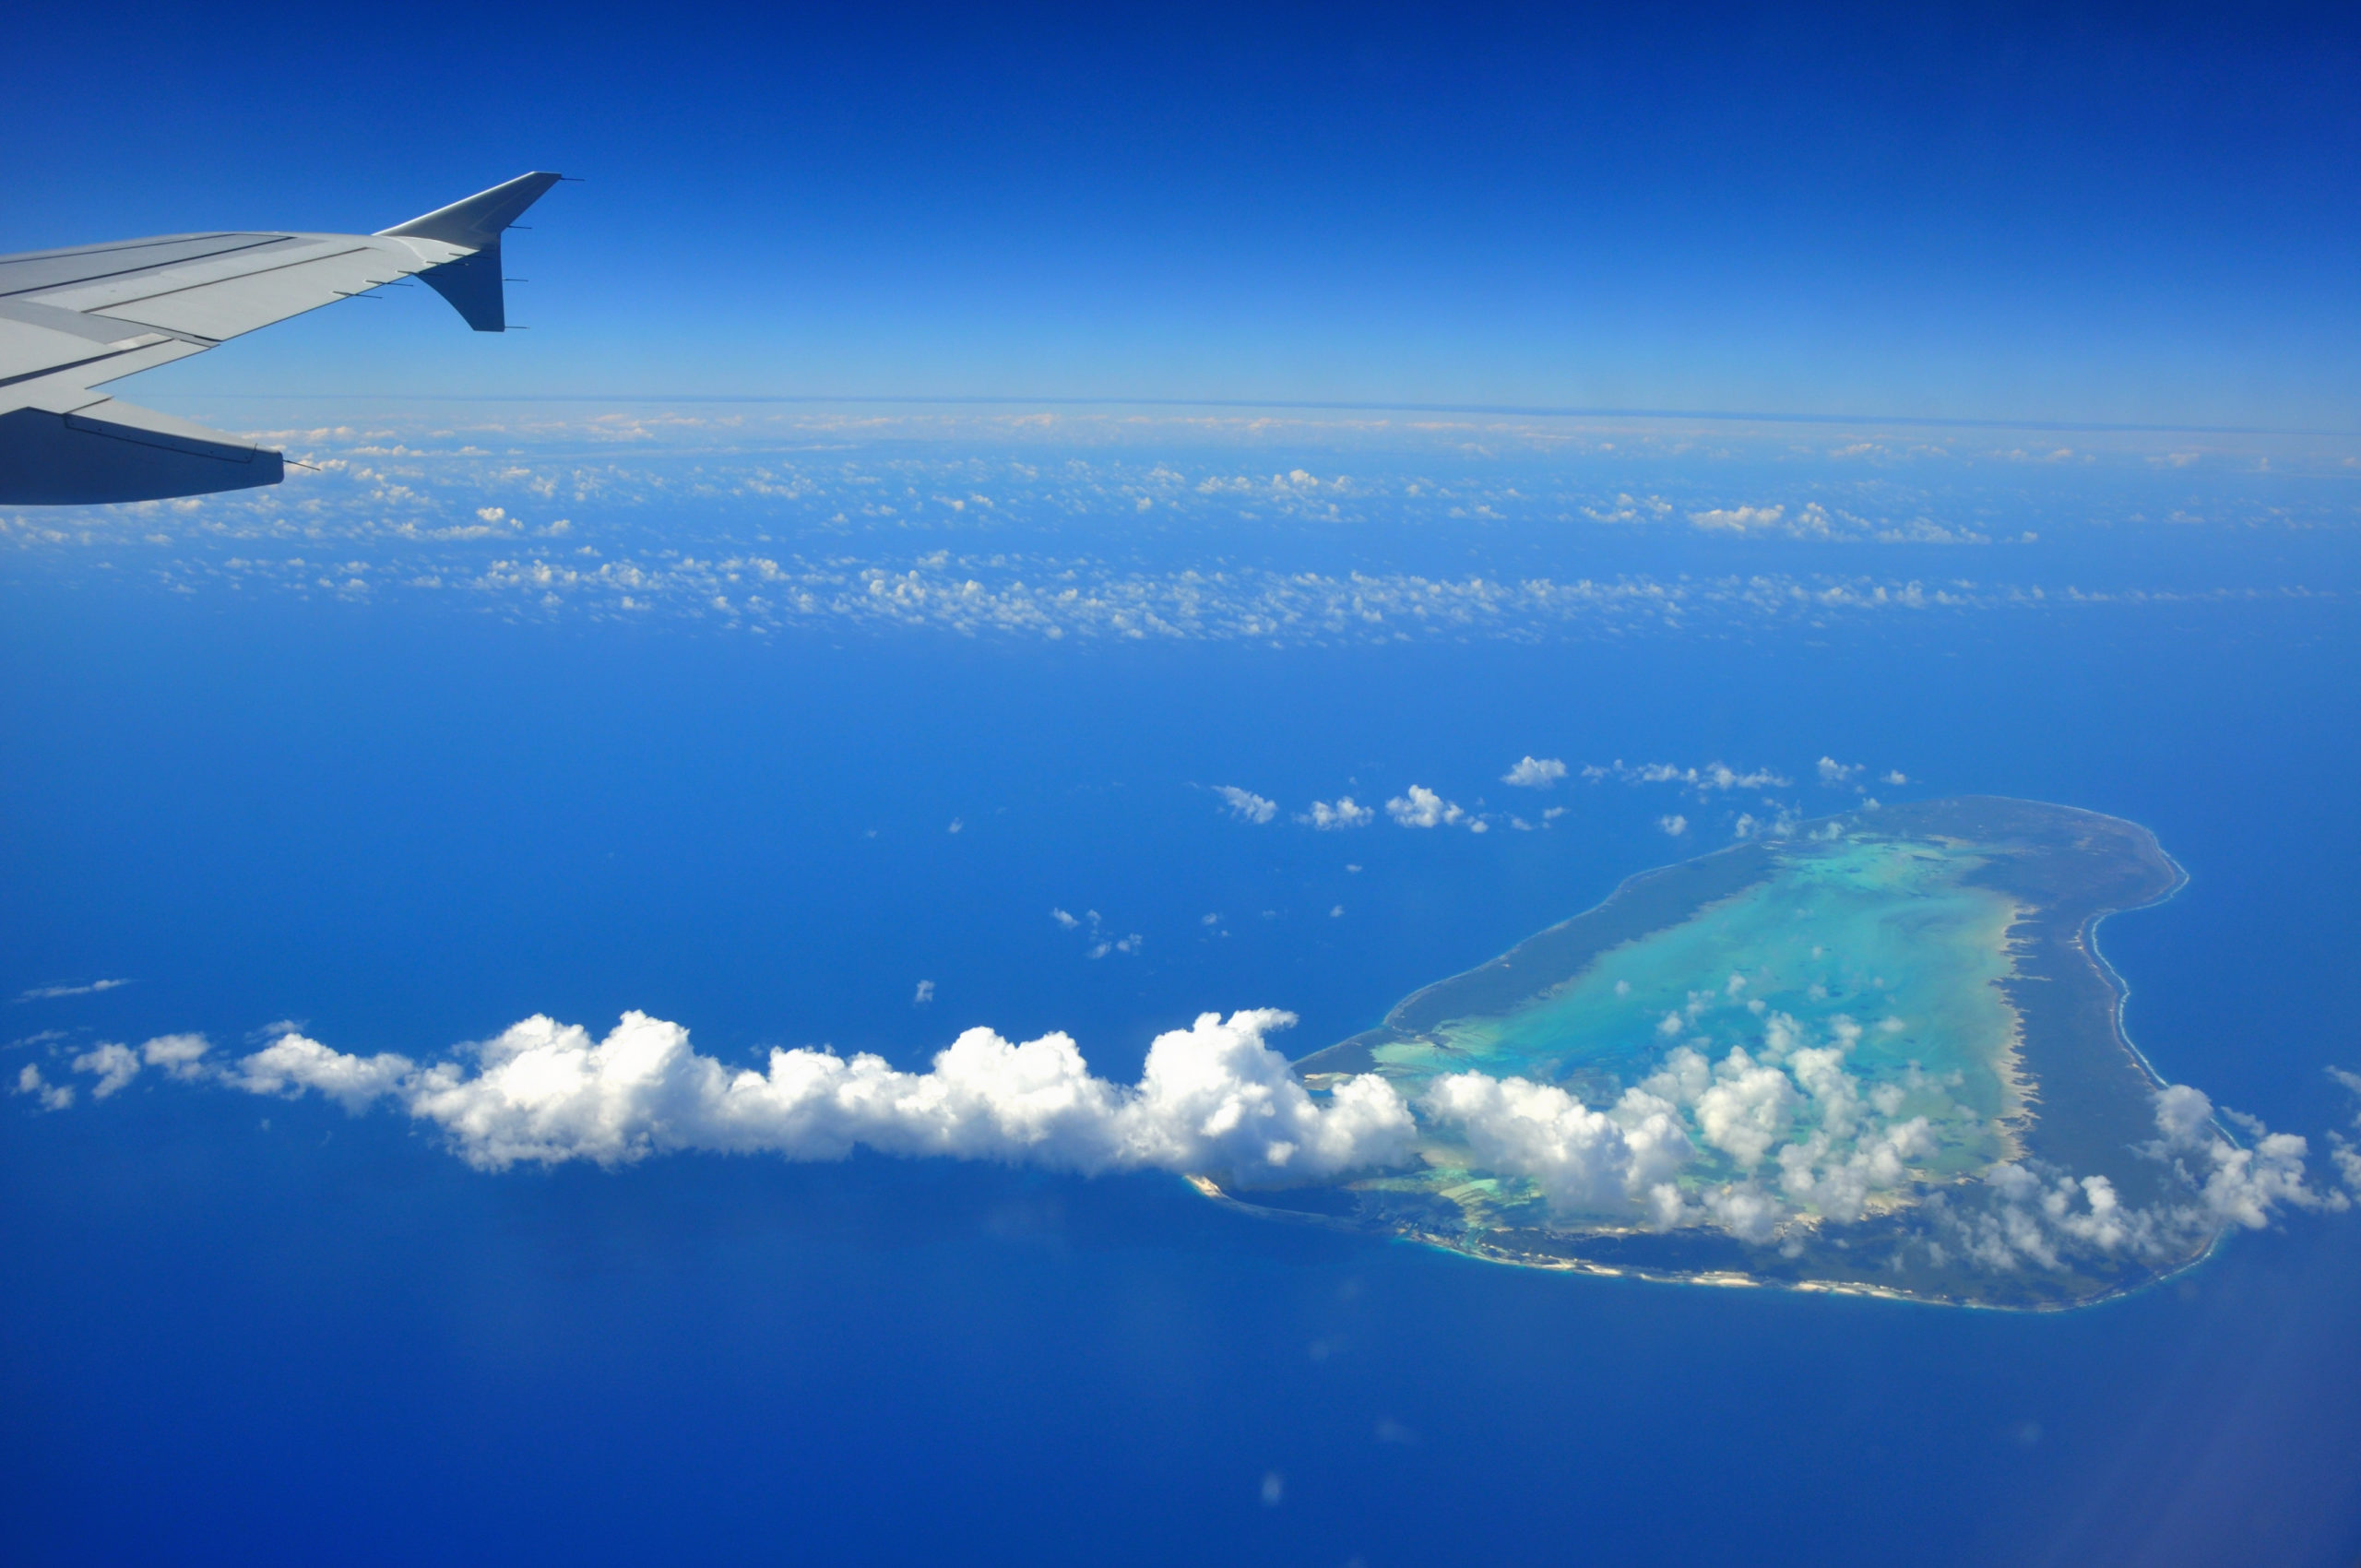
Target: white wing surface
72,320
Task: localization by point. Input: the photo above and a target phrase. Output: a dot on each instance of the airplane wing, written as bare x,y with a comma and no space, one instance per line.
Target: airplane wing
71,320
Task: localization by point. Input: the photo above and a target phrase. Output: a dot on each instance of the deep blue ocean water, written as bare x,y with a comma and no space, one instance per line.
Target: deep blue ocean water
324,1338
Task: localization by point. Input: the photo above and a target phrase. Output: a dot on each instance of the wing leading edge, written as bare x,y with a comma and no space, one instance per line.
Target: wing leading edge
71,320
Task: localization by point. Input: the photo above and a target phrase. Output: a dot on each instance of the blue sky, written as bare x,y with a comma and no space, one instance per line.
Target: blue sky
1969,212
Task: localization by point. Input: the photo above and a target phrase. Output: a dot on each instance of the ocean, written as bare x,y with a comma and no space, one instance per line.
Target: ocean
251,1329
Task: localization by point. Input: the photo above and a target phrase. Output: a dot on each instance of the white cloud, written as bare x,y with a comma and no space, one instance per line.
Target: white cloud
1704,780
1214,1098
1583,1160
2033,1214
1535,773
924,995
1834,772
1101,944
2346,1157
1343,813
53,1097
114,1067
1673,826
1422,808
294,1062
1739,519
52,992
180,1055
1893,775
1246,805
1746,1109
957,823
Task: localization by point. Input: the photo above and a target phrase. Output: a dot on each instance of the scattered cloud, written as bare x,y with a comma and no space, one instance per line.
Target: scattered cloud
1422,808
180,1055
1705,780
49,1096
2036,1214
1833,772
1534,772
114,1065
1786,1135
925,993
1747,519
1097,944
2341,1152
1343,813
1245,805
1673,826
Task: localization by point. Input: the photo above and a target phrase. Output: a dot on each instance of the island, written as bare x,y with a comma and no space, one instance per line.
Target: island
1894,1056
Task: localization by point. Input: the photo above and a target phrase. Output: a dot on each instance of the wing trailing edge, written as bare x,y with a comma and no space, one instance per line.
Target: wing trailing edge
108,451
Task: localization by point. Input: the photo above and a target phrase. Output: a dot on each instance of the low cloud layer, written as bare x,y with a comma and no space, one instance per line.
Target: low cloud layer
1764,1143
1214,1098
1712,776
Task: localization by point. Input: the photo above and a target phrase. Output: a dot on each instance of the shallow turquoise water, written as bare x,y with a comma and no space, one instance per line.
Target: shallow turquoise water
1880,933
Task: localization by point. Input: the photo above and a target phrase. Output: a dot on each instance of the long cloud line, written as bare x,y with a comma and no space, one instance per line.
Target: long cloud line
1781,1137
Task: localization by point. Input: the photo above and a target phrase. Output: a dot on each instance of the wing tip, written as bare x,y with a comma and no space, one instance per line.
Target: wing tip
475,222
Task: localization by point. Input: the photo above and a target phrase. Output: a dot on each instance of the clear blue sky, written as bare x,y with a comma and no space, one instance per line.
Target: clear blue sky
1893,210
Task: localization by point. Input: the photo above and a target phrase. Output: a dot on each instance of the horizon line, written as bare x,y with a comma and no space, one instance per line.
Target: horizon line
1310,404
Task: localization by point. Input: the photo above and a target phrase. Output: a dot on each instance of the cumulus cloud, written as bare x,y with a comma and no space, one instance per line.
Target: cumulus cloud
114,1065
51,1097
1739,519
1534,772
1214,1098
2033,1214
1343,813
1674,826
924,995
1760,1141
180,1055
1834,772
1583,1160
2347,1158
1422,808
1246,805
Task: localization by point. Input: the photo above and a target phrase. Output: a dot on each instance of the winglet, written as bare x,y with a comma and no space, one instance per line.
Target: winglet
477,222
472,283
